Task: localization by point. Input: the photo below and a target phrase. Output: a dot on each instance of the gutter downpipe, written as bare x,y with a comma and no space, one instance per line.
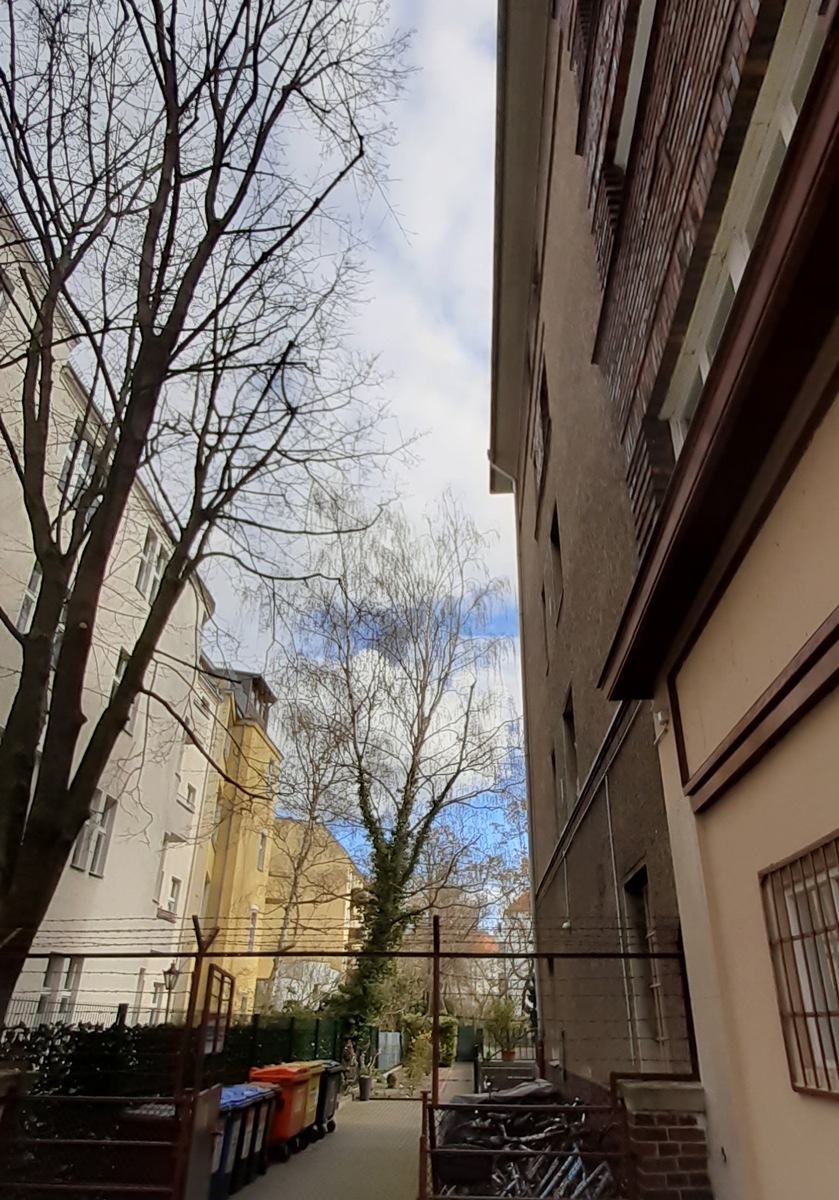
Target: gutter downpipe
630,1026
540,1011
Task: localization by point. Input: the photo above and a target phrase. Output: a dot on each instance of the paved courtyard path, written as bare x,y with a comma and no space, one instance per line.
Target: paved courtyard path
372,1155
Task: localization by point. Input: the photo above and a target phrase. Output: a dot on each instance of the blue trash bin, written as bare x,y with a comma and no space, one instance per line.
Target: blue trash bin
234,1103
255,1098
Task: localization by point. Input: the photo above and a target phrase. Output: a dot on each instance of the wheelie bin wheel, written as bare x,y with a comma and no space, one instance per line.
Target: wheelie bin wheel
283,1152
330,1126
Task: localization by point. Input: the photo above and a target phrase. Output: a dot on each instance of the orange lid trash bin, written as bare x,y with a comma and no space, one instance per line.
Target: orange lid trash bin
293,1081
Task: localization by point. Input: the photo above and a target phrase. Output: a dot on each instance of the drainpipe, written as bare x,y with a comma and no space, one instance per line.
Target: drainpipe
540,1010
630,1026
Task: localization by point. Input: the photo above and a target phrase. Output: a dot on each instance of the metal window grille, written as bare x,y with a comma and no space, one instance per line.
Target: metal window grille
801,899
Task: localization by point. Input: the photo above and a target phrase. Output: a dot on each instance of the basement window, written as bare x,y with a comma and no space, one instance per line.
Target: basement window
801,904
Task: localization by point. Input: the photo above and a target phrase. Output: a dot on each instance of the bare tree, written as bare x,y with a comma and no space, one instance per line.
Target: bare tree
171,175
397,633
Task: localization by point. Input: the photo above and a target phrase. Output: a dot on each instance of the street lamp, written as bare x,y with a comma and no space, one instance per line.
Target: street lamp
170,982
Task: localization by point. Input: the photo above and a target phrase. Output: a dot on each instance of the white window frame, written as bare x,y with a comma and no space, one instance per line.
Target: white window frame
90,852
153,560
29,600
261,850
629,112
731,253
253,924
191,800
78,466
7,291
173,899
60,988
122,663
157,1005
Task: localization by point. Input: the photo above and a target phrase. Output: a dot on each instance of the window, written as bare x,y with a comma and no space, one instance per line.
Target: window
205,897
260,854
645,11
78,467
252,924
152,566
270,779
217,816
158,1003
797,47
553,572
801,902
541,432
569,747
174,894
646,986
58,637
30,599
122,663
138,995
190,797
59,989
90,851
6,292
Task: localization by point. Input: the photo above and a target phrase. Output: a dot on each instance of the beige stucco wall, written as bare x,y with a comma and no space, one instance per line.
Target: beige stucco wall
154,833
777,1142
787,585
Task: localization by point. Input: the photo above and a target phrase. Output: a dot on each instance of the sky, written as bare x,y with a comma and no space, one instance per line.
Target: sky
429,312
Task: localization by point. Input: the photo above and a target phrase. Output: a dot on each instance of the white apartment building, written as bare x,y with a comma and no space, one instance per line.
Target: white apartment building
129,876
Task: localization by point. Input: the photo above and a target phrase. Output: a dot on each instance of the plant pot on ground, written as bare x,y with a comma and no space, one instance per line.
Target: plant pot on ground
505,1026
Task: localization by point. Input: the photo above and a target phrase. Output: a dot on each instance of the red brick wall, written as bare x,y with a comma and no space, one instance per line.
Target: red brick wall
671,1156
654,233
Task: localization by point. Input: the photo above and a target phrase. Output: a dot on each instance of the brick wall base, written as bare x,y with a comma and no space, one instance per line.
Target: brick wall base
666,1123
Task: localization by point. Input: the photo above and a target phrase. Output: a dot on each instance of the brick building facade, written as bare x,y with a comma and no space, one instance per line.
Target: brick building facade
664,349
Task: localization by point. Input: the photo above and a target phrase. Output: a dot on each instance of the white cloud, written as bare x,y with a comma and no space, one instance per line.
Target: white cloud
429,315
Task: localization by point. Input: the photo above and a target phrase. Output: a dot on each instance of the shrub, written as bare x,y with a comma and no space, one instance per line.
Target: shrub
418,1059
414,1024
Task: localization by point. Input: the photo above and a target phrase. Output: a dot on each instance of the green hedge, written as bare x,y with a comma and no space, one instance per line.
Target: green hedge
414,1023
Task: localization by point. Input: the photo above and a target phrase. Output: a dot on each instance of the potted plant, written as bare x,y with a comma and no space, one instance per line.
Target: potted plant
366,1063
504,1026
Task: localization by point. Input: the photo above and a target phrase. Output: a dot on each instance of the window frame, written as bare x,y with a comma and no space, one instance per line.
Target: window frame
93,841
74,477
800,898
122,662
253,923
31,592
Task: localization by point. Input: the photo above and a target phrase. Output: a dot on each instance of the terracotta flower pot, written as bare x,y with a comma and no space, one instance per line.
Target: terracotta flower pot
508,1056
365,1085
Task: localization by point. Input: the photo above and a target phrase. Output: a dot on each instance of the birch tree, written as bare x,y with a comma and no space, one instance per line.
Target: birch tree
180,183
397,632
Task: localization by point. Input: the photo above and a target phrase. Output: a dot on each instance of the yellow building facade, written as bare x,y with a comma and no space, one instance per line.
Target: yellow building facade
233,856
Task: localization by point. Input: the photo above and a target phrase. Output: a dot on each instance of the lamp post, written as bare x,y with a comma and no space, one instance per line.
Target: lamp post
170,982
